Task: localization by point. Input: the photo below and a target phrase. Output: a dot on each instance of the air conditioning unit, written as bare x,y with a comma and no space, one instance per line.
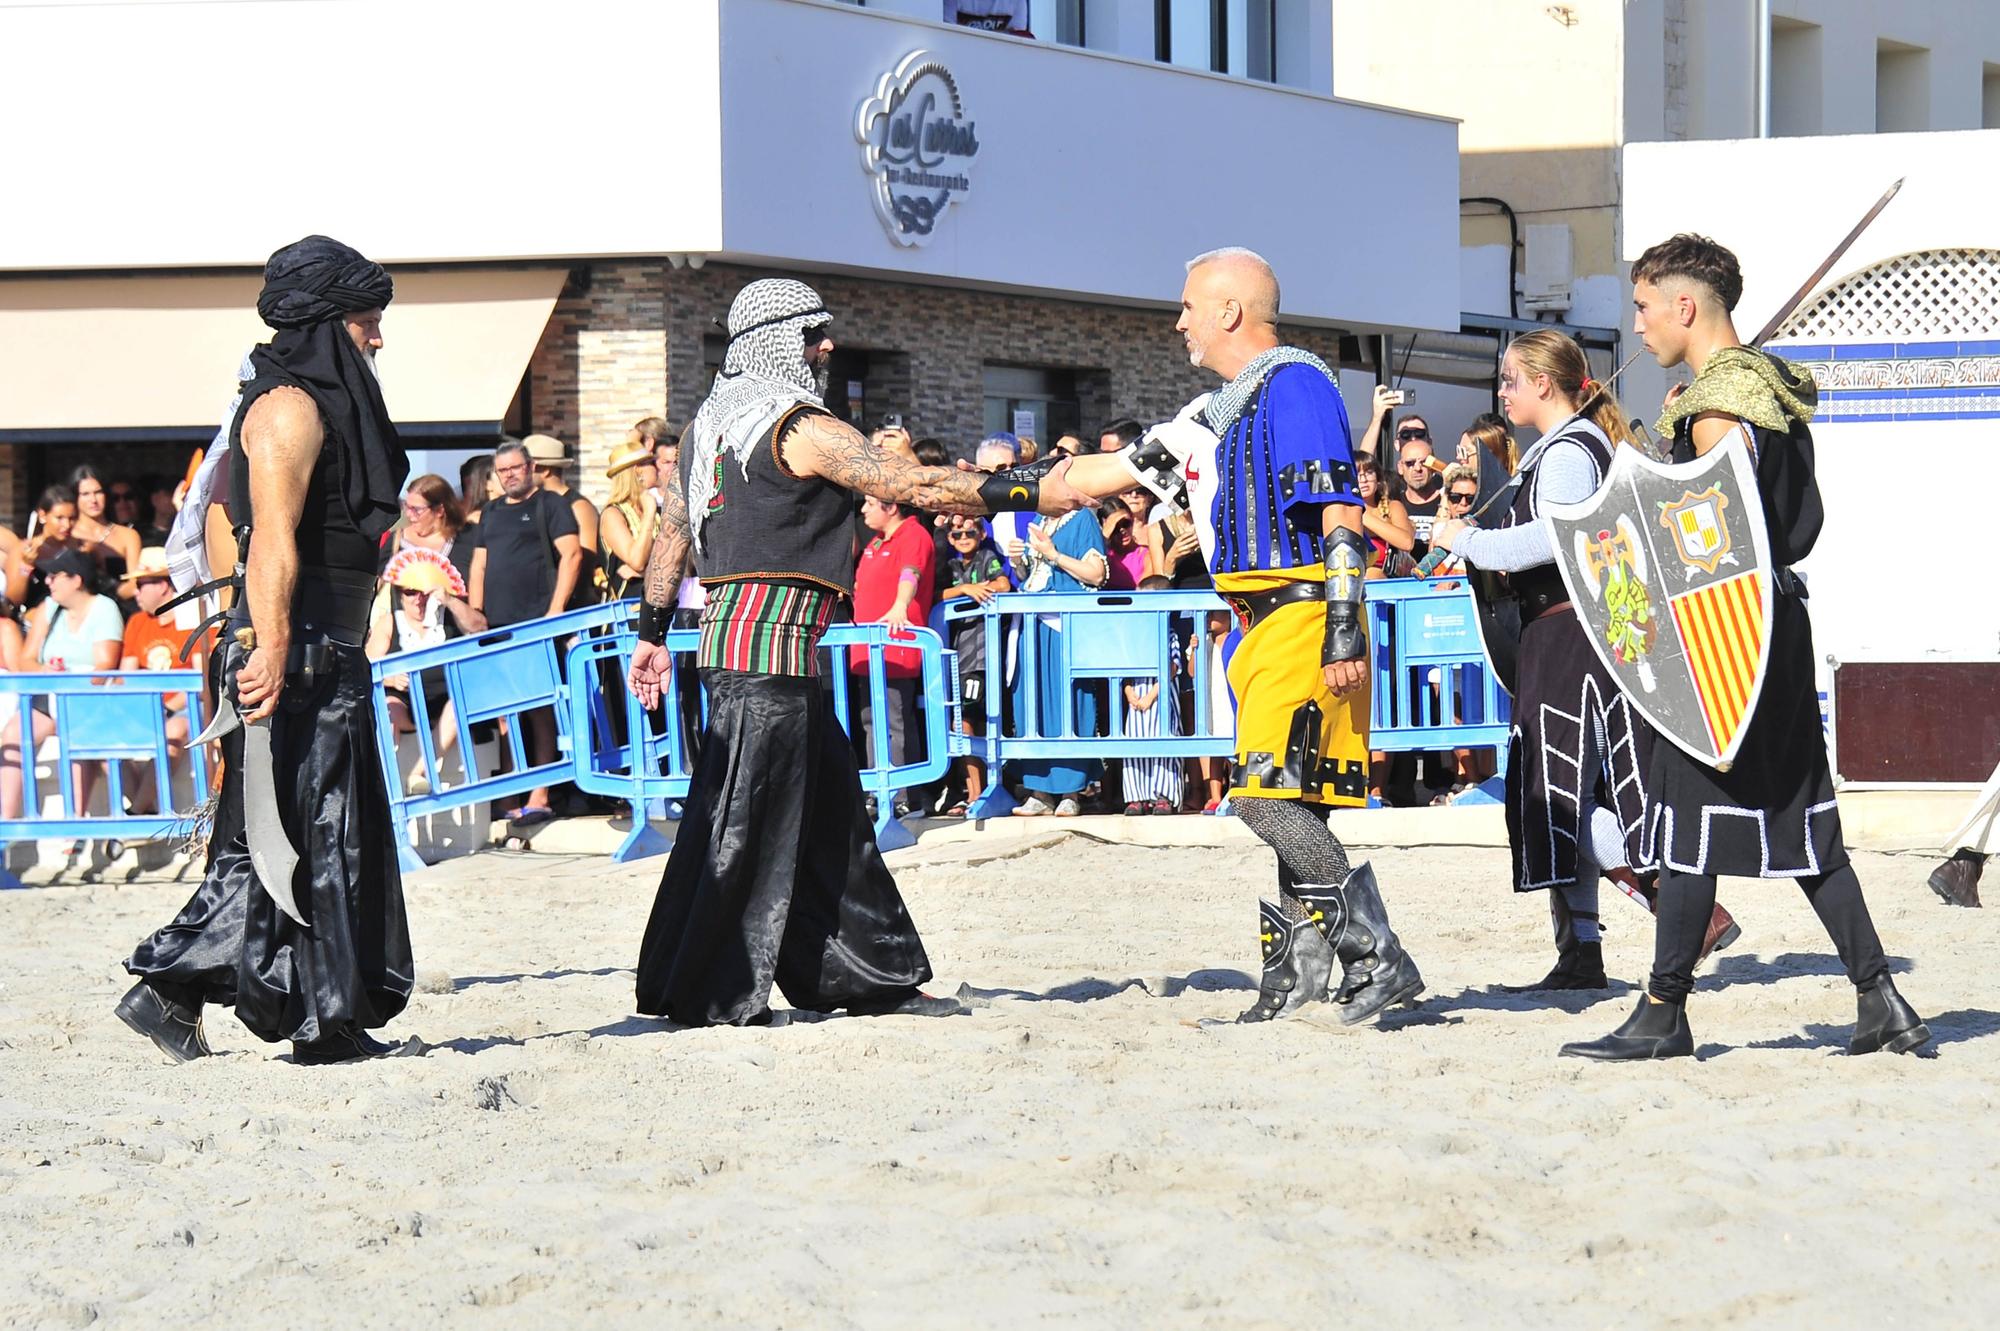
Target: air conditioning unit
1548,268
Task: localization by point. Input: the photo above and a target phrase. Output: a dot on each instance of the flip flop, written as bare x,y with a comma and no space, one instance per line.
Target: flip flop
530,815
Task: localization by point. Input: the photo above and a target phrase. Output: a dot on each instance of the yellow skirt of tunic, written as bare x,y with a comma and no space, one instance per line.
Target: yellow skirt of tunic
1281,752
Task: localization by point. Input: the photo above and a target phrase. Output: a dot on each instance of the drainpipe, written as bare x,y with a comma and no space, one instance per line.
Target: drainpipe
1763,69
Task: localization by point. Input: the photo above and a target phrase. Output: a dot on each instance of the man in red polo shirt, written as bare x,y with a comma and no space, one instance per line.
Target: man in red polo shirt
893,584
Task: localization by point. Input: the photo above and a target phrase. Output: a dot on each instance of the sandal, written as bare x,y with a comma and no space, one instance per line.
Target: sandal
530,815
956,811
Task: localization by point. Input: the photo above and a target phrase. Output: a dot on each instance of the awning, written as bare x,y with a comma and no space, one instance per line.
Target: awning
161,353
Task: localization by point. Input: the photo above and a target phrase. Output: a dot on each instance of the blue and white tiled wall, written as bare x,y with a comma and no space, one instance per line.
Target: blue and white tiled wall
1902,381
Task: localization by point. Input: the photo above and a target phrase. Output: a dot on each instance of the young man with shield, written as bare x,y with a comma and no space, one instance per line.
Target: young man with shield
1770,812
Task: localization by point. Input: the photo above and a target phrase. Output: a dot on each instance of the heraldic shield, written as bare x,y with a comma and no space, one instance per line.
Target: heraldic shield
1669,568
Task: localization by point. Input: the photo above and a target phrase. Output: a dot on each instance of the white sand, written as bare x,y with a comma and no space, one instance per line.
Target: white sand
1080,1154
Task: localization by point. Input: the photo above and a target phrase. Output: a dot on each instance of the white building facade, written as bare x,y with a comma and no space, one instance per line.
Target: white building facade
1006,248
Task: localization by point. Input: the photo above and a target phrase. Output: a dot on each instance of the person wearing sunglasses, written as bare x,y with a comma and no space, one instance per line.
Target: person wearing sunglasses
1417,482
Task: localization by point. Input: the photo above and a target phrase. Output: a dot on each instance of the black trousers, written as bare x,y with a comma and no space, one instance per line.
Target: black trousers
232,946
775,877
1687,901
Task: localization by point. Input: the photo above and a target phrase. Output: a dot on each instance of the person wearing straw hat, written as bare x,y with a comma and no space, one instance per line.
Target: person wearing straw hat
631,519
552,462
153,643
428,609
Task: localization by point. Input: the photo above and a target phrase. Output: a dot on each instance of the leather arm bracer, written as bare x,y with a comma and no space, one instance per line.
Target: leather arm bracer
1346,561
651,622
1017,489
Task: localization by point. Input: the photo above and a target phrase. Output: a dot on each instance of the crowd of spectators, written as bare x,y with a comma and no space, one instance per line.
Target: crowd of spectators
516,540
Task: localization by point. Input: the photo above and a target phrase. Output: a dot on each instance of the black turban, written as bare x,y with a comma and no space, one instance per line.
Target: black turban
318,278
308,287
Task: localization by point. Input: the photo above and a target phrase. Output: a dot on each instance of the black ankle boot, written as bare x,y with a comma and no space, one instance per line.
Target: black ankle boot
166,1018
914,1003
350,1044
1580,966
1376,973
1298,964
1654,1030
1885,1020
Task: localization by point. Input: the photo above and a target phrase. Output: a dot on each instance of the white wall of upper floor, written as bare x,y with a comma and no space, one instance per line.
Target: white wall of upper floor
511,130
1842,67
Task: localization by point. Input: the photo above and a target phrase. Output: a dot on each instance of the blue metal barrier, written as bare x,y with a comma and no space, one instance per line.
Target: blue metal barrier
649,767
1109,636
113,720
1433,688
500,675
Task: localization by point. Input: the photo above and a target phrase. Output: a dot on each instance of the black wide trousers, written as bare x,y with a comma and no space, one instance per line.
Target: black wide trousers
232,946
775,876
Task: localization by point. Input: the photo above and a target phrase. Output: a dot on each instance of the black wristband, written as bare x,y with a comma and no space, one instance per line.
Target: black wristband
1009,492
651,622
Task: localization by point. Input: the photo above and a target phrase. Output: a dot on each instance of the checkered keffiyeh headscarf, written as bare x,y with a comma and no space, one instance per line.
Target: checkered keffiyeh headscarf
764,374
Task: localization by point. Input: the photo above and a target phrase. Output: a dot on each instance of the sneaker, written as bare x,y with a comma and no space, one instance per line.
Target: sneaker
1136,807
418,782
1066,807
1035,807
1164,807
900,809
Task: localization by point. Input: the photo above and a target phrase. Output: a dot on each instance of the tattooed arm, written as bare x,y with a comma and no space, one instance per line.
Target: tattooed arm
651,661
668,562
821,445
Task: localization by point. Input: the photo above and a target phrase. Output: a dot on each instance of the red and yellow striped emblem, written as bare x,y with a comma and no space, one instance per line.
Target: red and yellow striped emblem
1723,628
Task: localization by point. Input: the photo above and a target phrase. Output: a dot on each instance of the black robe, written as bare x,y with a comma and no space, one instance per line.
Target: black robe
1772,814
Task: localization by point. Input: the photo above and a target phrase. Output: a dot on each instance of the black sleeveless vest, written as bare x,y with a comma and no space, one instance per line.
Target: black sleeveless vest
1541,586
336,575
772,526
327,536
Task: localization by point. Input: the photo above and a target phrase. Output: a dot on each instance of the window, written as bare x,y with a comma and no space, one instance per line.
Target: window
1796,80
1902,87
1069,22
1989,100
1225,36
1043,400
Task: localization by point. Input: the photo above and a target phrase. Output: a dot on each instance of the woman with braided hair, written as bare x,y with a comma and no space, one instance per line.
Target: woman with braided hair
1576,817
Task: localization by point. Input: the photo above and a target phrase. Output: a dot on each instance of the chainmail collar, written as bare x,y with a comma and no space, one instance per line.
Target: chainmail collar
1231,400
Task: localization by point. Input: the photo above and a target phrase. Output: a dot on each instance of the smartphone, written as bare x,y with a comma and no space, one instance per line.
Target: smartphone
1400,397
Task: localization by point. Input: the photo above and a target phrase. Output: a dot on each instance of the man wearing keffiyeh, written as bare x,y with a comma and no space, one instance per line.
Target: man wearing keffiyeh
775,877
315,950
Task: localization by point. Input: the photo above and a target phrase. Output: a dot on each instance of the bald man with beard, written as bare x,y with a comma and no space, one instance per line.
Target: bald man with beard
1265,466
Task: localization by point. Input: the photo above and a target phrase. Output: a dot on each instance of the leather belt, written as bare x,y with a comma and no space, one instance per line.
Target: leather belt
1253,608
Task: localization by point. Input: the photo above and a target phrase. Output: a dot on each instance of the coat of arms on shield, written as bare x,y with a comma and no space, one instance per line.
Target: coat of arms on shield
1701,537
1688,648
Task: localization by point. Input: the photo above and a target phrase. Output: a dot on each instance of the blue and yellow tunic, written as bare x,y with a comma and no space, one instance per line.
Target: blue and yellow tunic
1285,457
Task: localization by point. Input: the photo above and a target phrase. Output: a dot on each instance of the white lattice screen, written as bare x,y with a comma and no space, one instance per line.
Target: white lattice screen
1920,297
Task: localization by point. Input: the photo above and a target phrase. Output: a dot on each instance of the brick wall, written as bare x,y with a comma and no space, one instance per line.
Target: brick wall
1130,362
601,365
630,345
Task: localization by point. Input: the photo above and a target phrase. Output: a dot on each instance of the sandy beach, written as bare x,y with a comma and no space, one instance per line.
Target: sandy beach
1078,1151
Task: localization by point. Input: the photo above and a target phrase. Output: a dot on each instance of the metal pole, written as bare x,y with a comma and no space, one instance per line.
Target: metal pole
1763,69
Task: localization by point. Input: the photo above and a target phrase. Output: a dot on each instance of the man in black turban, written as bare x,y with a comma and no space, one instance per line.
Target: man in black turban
298,924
